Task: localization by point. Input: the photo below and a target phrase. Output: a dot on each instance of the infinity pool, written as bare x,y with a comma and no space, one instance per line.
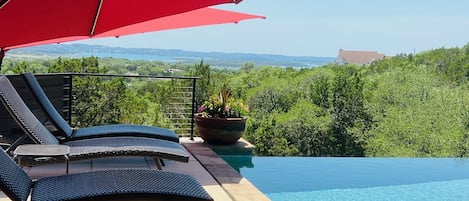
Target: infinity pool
406,179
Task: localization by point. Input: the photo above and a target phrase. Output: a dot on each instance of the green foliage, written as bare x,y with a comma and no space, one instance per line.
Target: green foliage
298,132
347,109
109,100
203,84
404,106
15,66
84,65
223,105
247,67
419,114
320,91
408,105
96,98
102,100
331,97
452,63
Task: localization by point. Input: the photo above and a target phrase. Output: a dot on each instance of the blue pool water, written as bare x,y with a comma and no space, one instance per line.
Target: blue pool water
406,179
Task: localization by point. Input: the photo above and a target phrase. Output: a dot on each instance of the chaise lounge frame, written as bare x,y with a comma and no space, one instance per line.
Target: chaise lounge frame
87,148
131,184
67,133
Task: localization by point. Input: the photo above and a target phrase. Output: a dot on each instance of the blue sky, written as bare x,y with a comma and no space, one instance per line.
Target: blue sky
321,28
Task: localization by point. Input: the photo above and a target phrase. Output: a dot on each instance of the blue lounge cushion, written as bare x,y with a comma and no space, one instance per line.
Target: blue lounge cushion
64,130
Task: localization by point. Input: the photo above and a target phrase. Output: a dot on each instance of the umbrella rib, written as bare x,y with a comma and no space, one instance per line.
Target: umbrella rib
3,3
96,17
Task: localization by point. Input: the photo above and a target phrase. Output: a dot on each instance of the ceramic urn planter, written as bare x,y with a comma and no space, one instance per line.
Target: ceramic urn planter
220,131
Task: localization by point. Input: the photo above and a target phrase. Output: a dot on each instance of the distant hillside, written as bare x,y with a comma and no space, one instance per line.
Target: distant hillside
216,59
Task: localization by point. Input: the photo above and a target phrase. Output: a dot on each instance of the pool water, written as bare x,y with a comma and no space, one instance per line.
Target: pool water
307,178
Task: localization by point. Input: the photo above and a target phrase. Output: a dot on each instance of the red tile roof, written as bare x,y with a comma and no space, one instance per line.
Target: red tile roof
358,57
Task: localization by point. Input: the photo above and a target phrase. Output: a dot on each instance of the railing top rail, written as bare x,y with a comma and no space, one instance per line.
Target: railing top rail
120,75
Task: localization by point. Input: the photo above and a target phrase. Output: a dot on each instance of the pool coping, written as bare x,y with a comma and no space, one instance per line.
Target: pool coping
235,185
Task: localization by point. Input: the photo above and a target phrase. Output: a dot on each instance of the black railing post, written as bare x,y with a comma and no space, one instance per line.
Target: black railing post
194,108
69,78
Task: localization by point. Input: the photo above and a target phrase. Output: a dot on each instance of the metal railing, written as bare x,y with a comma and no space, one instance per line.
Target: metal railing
180,109
177,112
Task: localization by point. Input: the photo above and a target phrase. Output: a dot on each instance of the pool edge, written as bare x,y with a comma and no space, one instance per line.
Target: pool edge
238,187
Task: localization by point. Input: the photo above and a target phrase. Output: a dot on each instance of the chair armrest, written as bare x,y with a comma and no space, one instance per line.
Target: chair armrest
41,150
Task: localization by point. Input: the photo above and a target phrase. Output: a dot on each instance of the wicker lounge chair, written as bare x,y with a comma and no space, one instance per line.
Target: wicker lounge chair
67,133
87,148
99,185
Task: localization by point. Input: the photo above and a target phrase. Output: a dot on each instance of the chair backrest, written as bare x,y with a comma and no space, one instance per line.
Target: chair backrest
23,116
63,128
14,182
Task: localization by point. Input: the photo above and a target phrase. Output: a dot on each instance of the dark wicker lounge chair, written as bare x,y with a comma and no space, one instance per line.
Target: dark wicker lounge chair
87,148
99,185
67,133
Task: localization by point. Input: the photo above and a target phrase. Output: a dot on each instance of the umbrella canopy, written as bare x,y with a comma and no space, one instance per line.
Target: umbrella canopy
199,17
32,21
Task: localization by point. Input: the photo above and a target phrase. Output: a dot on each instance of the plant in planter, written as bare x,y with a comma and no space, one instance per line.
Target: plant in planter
221,120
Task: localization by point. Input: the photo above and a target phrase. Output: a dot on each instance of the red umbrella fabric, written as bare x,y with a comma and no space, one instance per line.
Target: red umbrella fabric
31,21
199,17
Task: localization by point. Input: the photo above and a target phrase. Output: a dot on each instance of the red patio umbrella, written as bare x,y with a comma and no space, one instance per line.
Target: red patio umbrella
199,17
30,21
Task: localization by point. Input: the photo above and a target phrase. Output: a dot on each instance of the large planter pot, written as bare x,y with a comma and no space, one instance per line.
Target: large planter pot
220,131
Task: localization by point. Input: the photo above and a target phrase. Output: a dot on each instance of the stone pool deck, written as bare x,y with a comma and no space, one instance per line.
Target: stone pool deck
218,178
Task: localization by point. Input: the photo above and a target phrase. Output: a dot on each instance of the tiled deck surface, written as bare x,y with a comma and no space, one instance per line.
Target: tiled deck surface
238,187
221,181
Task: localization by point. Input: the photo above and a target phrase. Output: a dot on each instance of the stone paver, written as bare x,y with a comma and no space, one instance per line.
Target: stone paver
239,188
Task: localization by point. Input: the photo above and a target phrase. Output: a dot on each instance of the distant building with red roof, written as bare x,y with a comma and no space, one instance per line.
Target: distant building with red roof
358,57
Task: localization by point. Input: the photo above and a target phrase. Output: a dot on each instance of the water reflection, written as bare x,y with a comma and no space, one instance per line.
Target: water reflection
239,161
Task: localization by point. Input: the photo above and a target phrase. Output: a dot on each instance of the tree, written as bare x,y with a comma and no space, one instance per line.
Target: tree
247,67
347,107
96,99
202,92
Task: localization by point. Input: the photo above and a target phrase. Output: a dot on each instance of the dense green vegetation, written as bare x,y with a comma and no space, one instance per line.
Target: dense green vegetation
407,105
